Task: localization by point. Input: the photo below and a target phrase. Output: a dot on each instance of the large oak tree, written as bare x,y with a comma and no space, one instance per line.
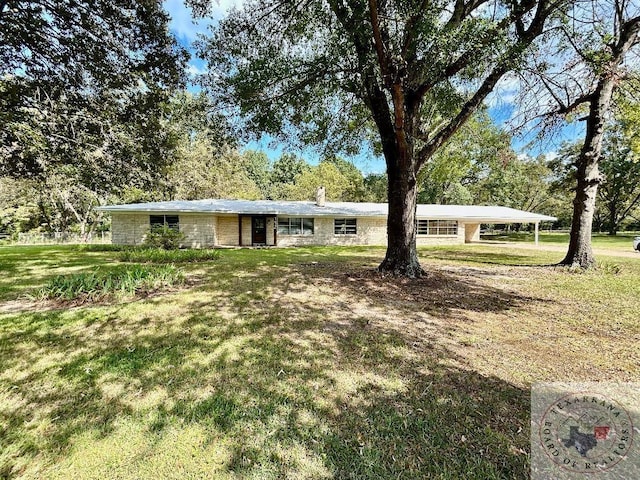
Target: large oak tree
578,79
411,71
93,65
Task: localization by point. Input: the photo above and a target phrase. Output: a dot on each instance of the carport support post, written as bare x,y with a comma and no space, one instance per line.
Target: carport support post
536,235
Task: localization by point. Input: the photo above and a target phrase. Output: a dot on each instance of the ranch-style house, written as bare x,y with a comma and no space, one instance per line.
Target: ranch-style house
216,222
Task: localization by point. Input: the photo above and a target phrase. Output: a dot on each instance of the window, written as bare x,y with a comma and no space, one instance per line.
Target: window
437,227
172,221
345,226
295,226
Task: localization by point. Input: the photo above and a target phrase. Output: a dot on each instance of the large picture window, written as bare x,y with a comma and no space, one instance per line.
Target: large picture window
345,226
295,226
158,221
437,227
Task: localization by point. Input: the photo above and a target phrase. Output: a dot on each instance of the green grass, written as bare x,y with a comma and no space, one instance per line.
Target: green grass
623,240
103,283
158,255
303,363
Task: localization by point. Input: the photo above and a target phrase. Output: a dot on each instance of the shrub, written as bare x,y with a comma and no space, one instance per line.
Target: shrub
102,247
163,237
157,255
101,283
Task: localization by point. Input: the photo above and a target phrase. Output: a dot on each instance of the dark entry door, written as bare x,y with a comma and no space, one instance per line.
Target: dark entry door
258,230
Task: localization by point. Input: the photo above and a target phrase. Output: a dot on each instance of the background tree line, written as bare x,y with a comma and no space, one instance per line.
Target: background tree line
93,108
202,160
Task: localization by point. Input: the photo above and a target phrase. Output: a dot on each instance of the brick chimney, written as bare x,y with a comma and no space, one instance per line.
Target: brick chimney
320,196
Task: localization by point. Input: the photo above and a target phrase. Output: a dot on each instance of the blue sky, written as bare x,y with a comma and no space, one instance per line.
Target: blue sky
186,30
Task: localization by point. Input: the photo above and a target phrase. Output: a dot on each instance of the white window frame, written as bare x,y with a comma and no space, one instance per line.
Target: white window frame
344,228
434,228
304,231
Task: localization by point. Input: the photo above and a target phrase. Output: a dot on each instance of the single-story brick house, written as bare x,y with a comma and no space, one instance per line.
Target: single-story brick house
208,223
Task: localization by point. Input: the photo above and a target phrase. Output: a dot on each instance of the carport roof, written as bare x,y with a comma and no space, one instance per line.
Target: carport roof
473,213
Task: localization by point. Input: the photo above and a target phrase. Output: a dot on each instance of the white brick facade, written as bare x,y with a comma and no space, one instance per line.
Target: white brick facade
207,230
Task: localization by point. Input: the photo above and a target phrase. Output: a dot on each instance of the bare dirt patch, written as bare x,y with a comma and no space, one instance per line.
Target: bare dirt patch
18,306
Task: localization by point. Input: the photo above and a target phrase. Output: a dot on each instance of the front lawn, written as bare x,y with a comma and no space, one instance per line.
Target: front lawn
621,241
302,363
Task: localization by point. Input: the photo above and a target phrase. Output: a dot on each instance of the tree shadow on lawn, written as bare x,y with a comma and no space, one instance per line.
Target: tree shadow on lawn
444,293
371,402
24,271
320,374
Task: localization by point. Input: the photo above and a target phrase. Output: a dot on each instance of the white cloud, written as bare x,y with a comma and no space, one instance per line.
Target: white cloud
505,93
226,5
183,24
194,70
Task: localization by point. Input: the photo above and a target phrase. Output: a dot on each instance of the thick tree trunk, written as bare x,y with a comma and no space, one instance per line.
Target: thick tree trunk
587,174
402,257
613,229
580,253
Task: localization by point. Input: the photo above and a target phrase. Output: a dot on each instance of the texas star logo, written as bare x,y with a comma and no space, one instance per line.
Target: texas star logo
586,432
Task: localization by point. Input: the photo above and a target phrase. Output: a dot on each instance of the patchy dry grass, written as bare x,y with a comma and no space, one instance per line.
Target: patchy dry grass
304,363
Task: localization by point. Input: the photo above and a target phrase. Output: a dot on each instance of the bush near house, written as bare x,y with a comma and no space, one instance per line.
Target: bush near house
163,237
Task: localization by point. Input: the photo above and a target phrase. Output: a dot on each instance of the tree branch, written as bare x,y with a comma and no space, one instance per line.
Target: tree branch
377,38
487,86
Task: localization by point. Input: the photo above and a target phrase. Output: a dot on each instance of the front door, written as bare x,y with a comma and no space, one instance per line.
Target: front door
258,230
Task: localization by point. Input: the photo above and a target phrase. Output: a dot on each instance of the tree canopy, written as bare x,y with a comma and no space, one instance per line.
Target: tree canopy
75,74
329,72
100,44
584,67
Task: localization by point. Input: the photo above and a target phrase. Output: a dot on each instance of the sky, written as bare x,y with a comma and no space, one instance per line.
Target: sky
500,102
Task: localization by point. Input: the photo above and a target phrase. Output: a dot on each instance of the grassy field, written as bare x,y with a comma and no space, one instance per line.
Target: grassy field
623,240
302,363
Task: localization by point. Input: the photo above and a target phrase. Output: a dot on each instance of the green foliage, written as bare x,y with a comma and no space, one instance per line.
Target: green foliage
106,283
258,170
307,182
619,192
479,166
102,247
454,171
628,112
375,187
87,148
517,182
163,237
80,87
283,174
206,163
83,92
69,43
18,208
354,190
313,75
159,255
